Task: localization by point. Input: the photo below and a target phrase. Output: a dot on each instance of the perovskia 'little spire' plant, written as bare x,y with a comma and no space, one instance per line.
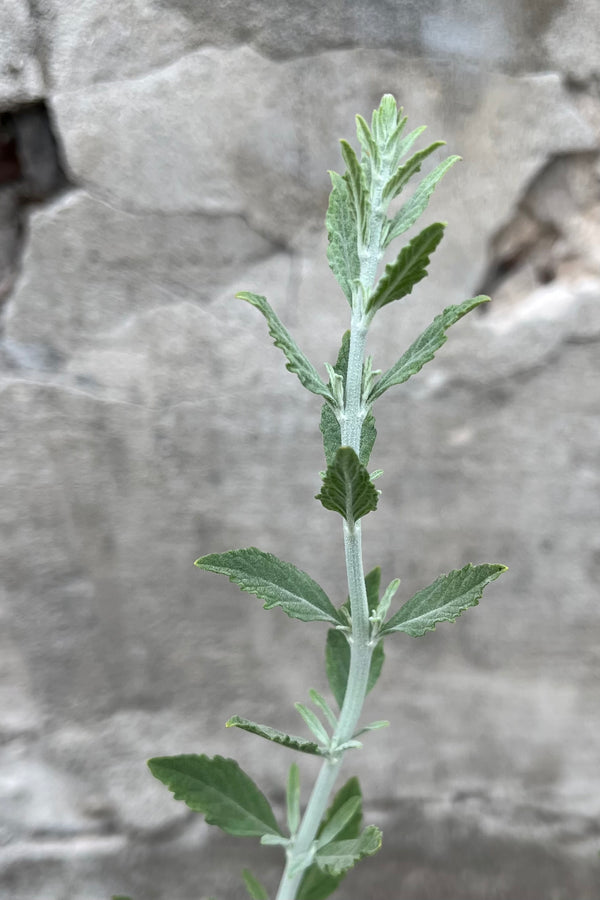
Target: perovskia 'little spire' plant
327,839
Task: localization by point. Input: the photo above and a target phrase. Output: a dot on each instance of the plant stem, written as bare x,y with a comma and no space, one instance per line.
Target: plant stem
361,649
360,646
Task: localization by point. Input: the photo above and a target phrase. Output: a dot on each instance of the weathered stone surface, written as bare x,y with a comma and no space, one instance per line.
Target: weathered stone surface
134,37
212,139
571,43
113,265
90,41
20,74
147,419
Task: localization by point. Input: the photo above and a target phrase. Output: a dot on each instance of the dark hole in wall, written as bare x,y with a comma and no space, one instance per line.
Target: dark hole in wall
30,159
31,171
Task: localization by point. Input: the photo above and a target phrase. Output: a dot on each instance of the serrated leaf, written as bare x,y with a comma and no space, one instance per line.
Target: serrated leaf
405,172
342,252
424,348
297,362
408,214
330,427
273,734
409,268
313,723
347,487
444,600
276,582
339,856
220,790
316,884
337,664
253,886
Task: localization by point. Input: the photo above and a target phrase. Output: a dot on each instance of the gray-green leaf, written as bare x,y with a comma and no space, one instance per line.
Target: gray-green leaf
339,856
253,886
355,179
316,884
296,360
273,734
347,487
342,252
424,348
409,268
292,797
408,214
339,821
276,582
444,600
220,790
406,171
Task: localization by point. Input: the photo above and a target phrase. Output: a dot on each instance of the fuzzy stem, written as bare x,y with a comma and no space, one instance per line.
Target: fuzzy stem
360,646
361,649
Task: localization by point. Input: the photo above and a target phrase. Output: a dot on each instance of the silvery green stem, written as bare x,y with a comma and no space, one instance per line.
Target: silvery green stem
360,647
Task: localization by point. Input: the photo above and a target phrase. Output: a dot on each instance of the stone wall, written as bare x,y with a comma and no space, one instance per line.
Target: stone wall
155,157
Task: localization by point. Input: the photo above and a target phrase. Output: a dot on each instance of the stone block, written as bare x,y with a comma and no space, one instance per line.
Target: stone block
21,78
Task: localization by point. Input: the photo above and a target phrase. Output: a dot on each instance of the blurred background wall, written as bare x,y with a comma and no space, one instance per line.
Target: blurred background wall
155,157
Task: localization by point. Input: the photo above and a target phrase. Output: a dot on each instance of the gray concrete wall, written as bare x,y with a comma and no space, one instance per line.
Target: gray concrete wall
146,419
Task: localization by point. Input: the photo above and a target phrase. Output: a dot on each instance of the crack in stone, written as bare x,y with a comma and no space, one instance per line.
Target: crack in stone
32,172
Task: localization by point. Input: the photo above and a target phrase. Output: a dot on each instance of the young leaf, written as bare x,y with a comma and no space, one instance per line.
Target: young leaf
339,821
444,600
253,886
324,706
313,723
381,610
403,175
342,252
373,726
339,856
384,120
337,664
408,214
296,360
220,790
316,884
372,586
401,147
273,734
424,348
347,487
368,436
293,799
355,178
368,144
409,268
276,582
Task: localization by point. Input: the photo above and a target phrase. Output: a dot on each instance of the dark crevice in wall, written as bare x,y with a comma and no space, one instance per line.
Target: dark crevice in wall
536,245
32,172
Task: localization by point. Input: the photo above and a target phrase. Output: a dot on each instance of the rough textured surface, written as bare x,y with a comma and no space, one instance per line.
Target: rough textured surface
146,419
20,66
